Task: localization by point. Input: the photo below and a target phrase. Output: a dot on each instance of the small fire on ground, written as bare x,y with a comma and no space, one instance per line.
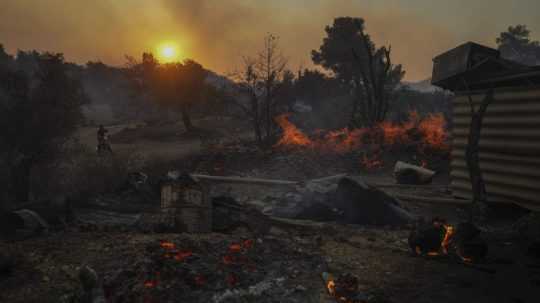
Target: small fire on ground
443,242
344,289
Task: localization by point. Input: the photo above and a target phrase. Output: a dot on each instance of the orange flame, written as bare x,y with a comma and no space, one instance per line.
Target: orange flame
292,136
445,243
433,130
447,238
387,134
331,285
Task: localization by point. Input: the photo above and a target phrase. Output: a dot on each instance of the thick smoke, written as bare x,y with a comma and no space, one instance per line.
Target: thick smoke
217,33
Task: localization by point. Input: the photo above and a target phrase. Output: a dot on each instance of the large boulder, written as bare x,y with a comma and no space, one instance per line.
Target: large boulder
349,201
362,204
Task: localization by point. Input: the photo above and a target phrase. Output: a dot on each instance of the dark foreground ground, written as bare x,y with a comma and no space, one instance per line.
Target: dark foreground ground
282,264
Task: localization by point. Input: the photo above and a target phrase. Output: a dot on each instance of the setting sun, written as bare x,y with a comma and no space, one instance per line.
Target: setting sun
168,52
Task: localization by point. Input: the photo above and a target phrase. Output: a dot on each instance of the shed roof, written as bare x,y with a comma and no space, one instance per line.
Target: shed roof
491,71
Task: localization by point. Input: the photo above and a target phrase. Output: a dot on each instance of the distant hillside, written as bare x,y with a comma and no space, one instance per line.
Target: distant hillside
218,81
423,86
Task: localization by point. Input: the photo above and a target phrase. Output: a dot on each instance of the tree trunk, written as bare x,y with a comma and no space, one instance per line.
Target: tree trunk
256,119
354,109
20,174
186,118
268,113
257,131
472,152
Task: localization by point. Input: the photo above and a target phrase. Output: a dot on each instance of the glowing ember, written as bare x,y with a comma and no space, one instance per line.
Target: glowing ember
150,284
167,245
227,260
232,279
181,256
200,280
465,259
248,244
235,248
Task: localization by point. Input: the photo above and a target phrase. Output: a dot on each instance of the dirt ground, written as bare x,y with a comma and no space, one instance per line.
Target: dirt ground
47,266
167,142
380,258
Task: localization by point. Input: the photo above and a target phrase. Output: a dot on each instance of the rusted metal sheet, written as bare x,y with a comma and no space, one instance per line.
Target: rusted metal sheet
509,146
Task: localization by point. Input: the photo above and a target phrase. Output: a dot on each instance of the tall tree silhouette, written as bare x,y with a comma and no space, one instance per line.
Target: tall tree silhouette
41,108
367,70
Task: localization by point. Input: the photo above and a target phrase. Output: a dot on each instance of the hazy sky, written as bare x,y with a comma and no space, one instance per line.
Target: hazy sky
218,32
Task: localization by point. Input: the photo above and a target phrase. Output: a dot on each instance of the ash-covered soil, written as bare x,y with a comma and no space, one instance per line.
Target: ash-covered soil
136,263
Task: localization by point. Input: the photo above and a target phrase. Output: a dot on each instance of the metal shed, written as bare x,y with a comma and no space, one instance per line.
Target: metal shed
510,136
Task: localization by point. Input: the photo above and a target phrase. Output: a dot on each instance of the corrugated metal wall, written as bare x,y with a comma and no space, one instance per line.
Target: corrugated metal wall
509,146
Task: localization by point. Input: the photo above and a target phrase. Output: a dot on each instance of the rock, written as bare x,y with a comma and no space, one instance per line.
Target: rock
174,175
34,218
228,214
406,173
258,204
88,278
21,224
318,212
92,289
362,204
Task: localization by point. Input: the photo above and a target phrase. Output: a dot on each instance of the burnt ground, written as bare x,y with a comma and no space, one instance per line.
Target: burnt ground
283,264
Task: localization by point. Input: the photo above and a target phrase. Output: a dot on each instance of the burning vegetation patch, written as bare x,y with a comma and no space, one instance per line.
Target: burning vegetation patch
424,136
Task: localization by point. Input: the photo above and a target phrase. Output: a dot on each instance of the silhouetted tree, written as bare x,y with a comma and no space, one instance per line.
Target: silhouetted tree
368,71
260,80
40,110
176,85
5,58
515,44
313,87
286,91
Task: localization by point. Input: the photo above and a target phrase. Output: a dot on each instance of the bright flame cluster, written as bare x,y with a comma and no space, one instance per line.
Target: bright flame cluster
430,129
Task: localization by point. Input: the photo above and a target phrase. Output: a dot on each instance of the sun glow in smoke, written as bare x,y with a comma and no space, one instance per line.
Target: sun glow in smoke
168,52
